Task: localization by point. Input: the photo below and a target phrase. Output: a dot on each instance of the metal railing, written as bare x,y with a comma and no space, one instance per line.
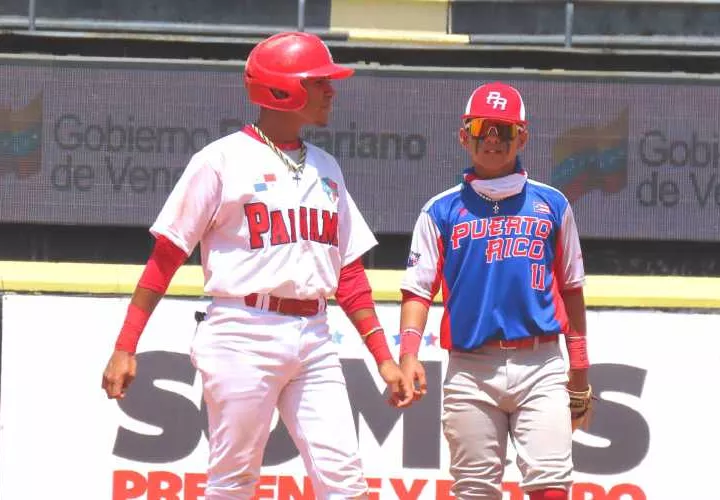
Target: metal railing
568,36
32,23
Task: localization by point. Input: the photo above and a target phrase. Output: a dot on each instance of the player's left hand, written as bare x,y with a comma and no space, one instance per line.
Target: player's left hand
581,399
401,392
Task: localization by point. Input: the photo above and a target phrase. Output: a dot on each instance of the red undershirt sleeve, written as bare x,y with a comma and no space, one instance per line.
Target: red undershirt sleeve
353,292
164,261
408,296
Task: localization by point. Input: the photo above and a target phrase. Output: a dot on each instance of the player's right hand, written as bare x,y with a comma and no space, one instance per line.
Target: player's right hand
413,370
119,373
401,393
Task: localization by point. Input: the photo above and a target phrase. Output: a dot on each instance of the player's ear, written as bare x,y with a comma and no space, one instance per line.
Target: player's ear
464,137
522,138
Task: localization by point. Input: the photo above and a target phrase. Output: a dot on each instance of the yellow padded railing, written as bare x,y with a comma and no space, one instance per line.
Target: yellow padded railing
369,19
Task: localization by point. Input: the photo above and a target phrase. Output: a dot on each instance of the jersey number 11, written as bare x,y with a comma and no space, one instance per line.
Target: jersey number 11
537,281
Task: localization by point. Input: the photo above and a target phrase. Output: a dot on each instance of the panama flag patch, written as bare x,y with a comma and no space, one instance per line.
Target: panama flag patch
263,183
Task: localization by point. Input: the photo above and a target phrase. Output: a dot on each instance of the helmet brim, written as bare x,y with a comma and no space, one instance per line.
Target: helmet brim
332,71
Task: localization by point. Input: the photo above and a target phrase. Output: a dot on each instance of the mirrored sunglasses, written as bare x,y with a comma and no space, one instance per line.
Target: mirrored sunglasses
482,127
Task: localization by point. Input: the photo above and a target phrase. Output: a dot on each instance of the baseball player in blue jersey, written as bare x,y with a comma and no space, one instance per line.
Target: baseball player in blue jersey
505,251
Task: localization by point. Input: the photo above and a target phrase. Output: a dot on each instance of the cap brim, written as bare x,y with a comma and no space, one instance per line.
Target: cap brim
332,71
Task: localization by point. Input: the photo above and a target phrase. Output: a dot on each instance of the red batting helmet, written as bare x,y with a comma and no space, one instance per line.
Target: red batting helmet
281,63
497,101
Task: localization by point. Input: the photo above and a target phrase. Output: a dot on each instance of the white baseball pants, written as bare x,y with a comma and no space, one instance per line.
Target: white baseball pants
254,361
491,393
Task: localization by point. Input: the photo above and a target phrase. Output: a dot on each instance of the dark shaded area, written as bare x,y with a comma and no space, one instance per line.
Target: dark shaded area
587,59
124,245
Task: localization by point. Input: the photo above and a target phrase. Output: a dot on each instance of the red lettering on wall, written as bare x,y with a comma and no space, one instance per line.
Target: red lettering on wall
416,487
165,485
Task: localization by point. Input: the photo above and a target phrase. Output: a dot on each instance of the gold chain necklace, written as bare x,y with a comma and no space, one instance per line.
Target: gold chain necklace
296,168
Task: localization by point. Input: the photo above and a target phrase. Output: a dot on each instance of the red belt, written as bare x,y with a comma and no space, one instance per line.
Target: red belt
291,307
521,343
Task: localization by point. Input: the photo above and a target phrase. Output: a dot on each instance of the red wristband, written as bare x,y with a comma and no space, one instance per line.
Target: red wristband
410,339
577,351
374,337
135,321
378,347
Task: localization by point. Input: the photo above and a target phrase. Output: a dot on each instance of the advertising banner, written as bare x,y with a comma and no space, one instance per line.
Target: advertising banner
103,142
63,439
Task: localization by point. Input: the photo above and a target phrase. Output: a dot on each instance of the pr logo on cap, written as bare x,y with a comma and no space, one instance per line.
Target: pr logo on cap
498,101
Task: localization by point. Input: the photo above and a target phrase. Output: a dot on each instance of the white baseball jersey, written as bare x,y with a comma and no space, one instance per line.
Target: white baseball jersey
260,230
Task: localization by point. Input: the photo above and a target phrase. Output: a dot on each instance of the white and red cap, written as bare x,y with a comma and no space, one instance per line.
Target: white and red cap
497,101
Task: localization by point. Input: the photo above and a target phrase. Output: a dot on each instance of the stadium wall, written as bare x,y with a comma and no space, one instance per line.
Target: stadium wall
59,323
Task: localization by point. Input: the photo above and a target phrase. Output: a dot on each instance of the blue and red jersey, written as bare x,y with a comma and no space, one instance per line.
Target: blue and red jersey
501,266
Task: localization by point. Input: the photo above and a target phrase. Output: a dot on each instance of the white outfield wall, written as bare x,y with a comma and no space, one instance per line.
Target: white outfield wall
61,438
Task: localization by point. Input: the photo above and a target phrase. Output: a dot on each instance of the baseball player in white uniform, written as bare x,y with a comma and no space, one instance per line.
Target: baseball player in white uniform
505,252
279,234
